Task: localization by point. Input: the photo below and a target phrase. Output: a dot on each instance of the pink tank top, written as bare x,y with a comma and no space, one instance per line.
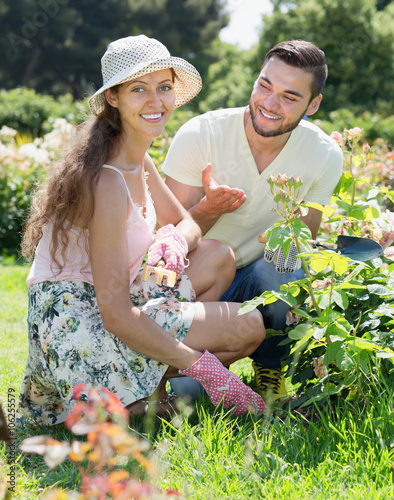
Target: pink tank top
139,236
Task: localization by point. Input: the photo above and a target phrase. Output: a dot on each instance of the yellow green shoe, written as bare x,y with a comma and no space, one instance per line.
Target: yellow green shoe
270,382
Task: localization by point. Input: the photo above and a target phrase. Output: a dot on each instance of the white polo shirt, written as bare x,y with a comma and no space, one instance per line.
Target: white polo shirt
218,137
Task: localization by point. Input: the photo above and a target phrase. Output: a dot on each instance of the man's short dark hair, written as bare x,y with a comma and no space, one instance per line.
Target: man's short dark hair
304,55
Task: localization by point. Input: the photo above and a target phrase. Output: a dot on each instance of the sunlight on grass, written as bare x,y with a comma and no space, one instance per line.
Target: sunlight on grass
13,328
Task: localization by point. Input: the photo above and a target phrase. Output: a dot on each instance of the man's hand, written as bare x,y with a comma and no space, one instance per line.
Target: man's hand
220,199
282,263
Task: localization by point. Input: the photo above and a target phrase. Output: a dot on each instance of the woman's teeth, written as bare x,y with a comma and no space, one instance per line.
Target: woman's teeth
152,117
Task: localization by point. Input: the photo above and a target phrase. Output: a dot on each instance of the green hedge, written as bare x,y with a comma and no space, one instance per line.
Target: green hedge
32,114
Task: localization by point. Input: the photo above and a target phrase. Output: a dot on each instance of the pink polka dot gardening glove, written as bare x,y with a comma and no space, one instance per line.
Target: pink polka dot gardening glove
224,386
169,246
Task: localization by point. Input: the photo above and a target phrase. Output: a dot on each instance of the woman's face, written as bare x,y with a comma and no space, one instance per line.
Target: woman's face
146,103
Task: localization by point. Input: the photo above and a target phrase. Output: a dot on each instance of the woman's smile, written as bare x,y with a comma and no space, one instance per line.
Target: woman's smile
154,117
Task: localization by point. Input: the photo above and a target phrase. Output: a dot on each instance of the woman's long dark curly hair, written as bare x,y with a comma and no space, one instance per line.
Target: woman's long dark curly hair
67,195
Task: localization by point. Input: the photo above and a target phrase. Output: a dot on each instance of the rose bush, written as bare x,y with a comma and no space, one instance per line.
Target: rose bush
341,321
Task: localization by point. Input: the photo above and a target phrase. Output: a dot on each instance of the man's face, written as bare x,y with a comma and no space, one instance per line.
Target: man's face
280,98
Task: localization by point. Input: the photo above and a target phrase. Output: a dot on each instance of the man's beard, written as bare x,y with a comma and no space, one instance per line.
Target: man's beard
279,131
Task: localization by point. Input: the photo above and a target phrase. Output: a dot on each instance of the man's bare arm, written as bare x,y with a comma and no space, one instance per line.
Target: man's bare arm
313,219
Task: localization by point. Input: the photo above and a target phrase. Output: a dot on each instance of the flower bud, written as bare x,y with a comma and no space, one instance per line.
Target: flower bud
281,180
338,138
354,133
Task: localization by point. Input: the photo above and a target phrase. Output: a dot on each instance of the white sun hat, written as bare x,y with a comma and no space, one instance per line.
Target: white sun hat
135,56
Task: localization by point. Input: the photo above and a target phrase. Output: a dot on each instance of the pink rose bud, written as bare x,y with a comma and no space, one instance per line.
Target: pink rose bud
338,138
355,133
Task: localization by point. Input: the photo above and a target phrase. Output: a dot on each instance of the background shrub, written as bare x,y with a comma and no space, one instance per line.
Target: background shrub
375,126
15,191
33,114
23,162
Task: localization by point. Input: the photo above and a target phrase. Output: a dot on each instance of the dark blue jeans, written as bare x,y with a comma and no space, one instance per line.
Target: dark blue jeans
251,281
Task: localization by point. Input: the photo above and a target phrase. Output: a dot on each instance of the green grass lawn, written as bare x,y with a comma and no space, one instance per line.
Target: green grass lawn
344,451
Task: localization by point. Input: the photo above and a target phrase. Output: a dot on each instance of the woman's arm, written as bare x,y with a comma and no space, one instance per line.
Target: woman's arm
109,262
168,209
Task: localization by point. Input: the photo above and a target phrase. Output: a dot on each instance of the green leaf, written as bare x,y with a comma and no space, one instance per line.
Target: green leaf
373,193
341,299
362,344
301,230
317,206
386,354
303,210
351,285
269,297
250,305
339,264
277,236
324,258
357,270
379,290
286,246
318,333
345,182
385,310
324,300
302,313
345,206
363,361
293,288
303,331
350,380
357,212
286,297
371,213
389,194
318,263
332,351
342,323
331,389
370,324
334,330
336,338
344,361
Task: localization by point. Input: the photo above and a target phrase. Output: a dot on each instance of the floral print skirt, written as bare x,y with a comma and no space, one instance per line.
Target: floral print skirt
68,345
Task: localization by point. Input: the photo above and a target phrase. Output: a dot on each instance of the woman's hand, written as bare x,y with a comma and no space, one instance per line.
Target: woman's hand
169,246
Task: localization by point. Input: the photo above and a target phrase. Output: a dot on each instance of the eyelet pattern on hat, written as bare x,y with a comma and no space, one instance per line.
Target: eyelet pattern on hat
135,56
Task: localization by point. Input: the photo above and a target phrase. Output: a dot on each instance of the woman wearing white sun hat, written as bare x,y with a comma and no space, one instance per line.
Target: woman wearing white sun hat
92,319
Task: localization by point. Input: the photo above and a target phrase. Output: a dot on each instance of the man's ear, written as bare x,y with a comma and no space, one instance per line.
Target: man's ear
111,98
314,105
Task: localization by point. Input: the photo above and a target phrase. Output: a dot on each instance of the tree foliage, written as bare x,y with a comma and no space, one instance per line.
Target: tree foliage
229,79
358,41
55,46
